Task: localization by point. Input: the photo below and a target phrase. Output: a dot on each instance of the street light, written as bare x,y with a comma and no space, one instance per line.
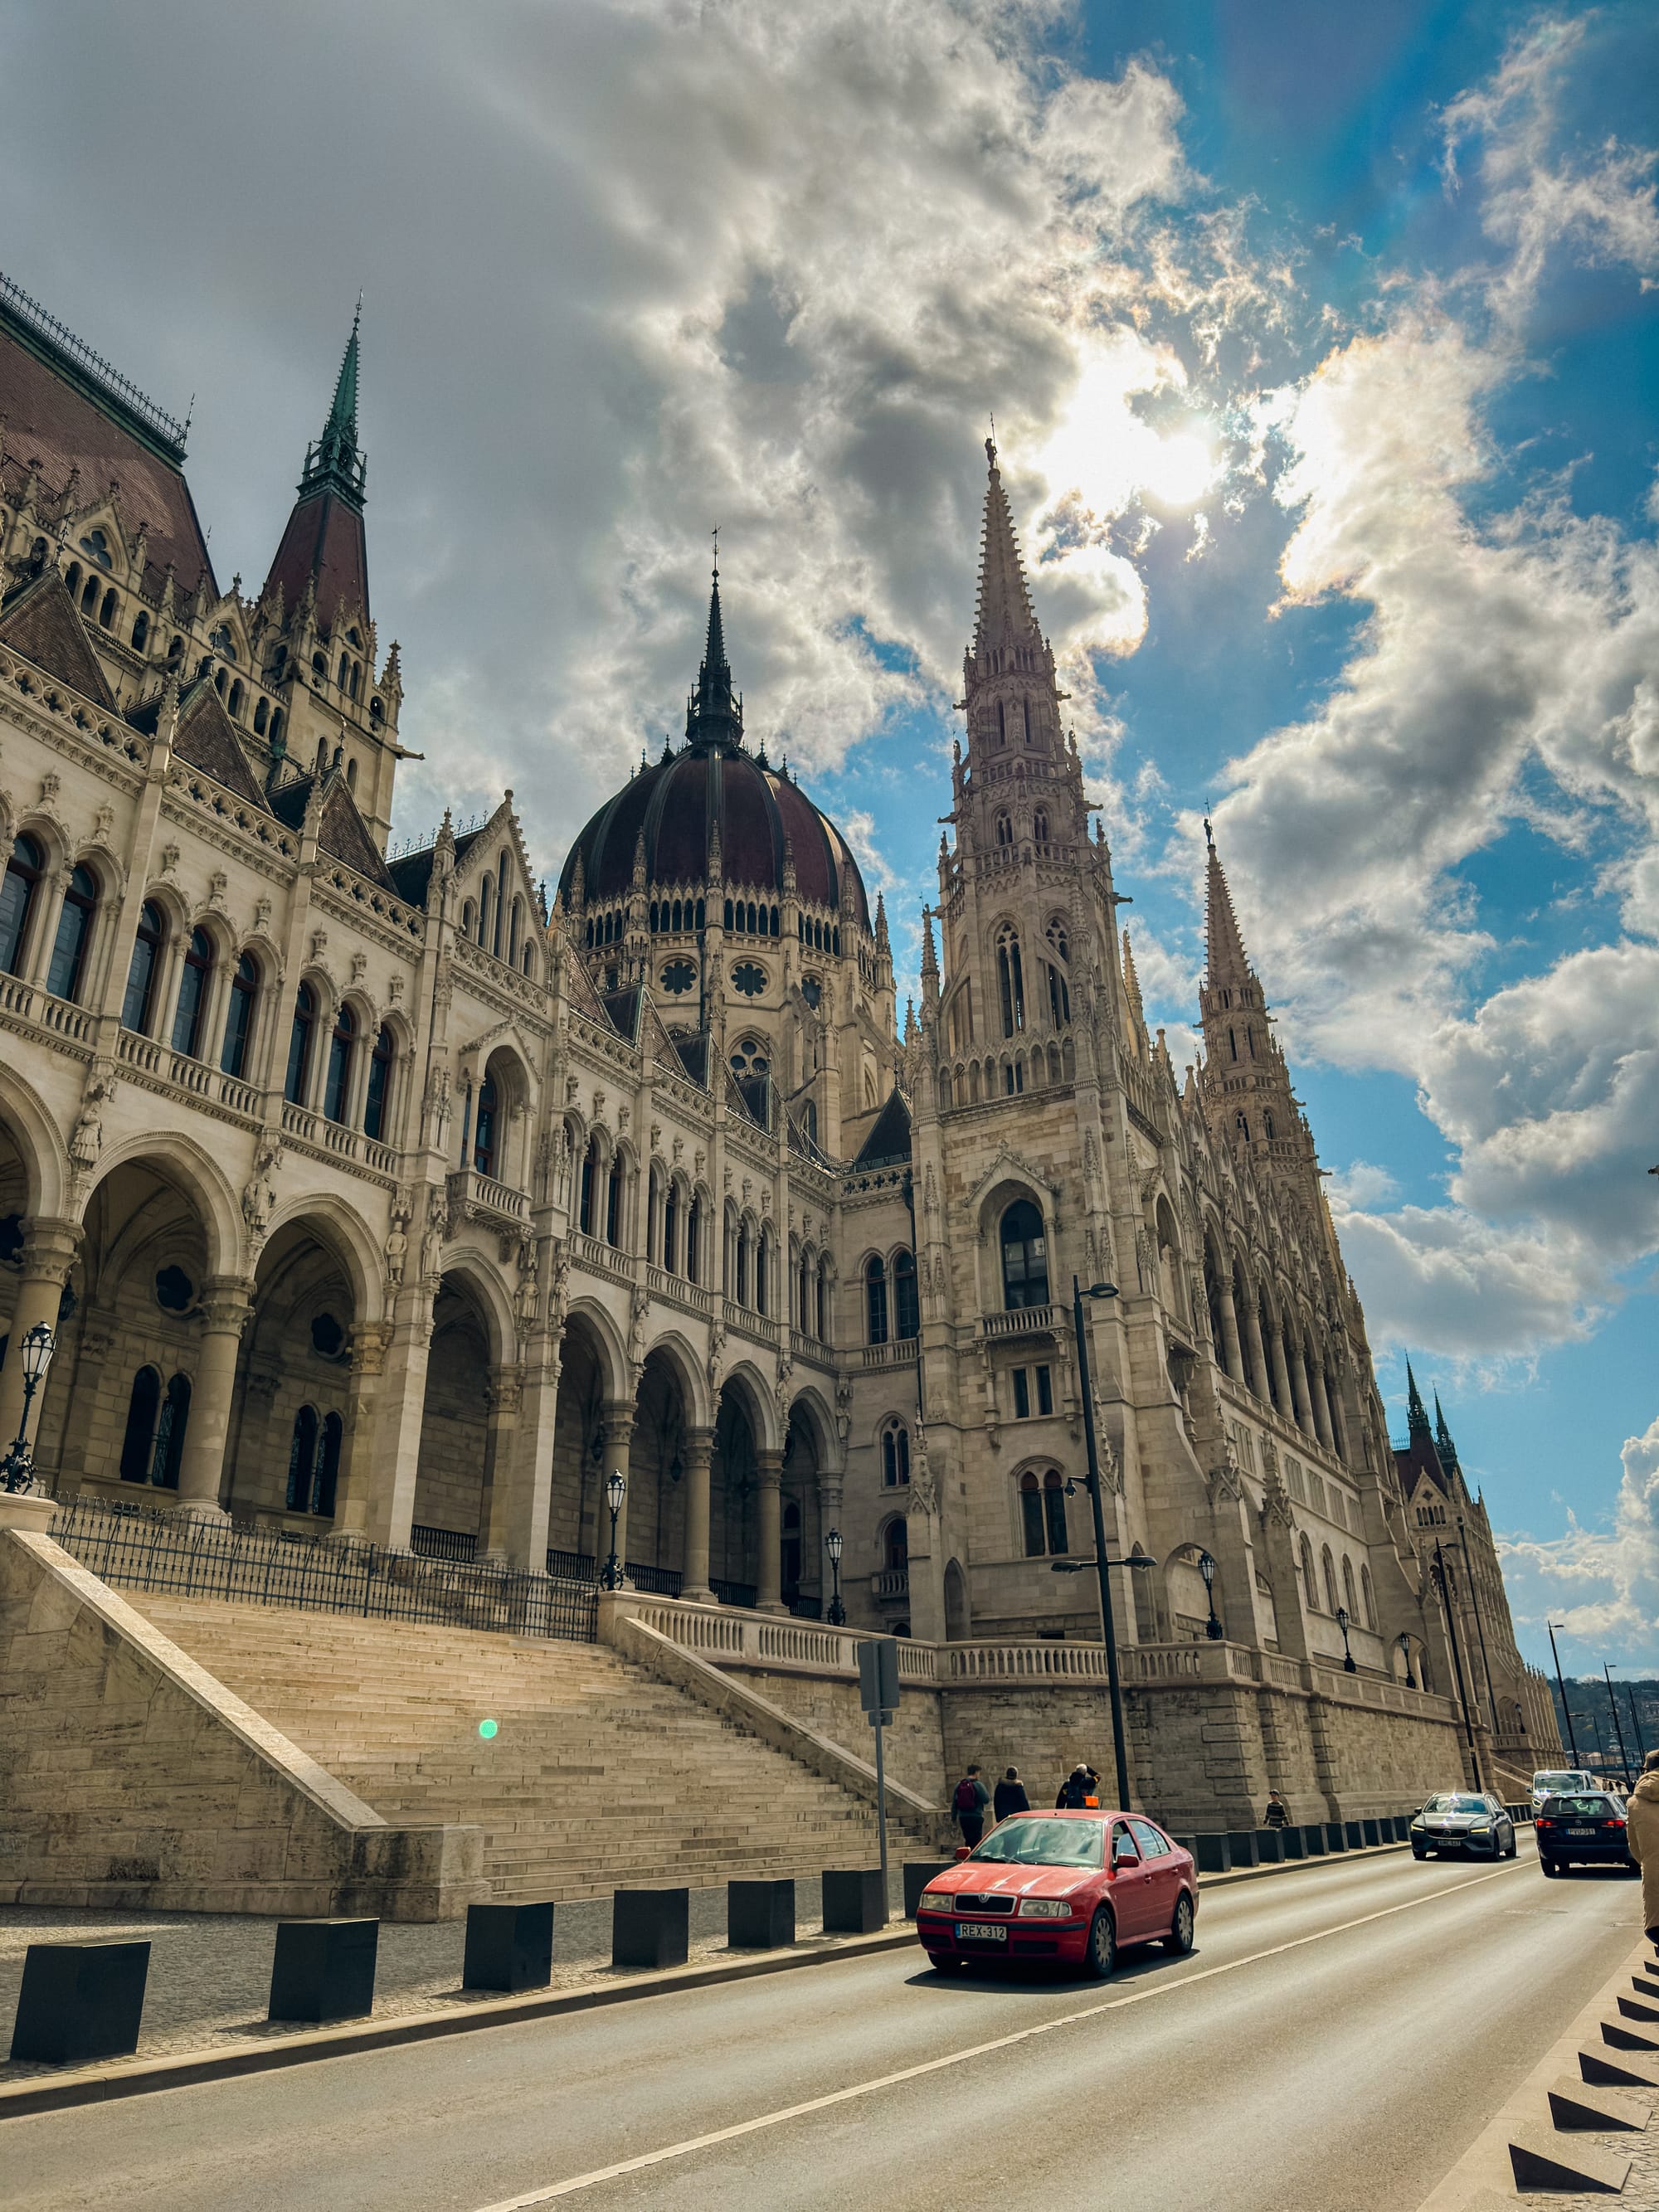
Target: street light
615,1490
1350,1666
1405,1644
1102,1565
1566,1710
837,1610
1212,1627
1442,1579
35,1351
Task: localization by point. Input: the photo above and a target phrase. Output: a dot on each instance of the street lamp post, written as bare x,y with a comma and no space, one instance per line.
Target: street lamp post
1442,1580
1343,1620
837,1610
615,1490
1566,1709
1212,1627
1618,1725
1479,1625
1102,1563
35,1351
1405,1644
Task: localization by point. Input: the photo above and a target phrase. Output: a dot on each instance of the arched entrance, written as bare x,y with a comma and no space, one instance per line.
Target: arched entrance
734,1508
802,1570
454,1474
579,1467
293,1399
656,1477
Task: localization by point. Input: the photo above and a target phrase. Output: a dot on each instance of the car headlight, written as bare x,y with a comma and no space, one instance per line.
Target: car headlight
933,1901
1046,1908
1480,1828
1418,1822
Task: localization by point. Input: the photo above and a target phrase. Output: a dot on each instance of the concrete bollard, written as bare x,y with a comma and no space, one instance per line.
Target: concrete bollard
1293,1843
1270,1846
650,1927
508,1947
80,2001
1213,1853
760,1916
323,1969
1354,1830
853,1901
1245,1846
1314,1840
1336,1836
1372,1833
918,1873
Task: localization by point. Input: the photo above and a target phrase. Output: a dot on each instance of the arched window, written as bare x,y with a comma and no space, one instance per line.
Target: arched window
1350,1594
515,924
1366,1603
261,716
140,631
351,776
233,704
69,950
740,1249
299,1045
1242,1127
613,1199
896,1546
694,1241
1327,1567
1039,819
486,902
484,1129
763,1271
106,612
1310,1586
1010,982
89,597
327,1478
1024,1256
1002,722
906,1310
143,1408
169,1449
17,891
1268,1124
875,1300
670,1228
377,1095
72,578
192,994
1005,829
238,1016
1060,998
302,1459
337,1081
804,1295
895,1455
501,903
140,974
1042,1513
277,729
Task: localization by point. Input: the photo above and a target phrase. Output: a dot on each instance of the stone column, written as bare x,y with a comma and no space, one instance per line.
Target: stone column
505,1399
370,1342
227,1301
1299,1398
1258,1374
769,1576
49,1250
616,1433
386,1451
1232,1358
1321,1410
697,1451
1281,1374
524,1490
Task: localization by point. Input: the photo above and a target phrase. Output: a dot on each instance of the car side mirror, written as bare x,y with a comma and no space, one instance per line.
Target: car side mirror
962,1851
1124,1853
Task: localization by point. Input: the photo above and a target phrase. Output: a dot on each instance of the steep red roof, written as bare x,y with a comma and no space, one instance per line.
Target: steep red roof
39,621
324,538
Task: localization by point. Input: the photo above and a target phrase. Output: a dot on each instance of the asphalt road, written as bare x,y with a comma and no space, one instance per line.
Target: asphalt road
1336,2040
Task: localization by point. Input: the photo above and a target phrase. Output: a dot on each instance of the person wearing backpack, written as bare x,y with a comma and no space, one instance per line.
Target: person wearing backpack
968,1804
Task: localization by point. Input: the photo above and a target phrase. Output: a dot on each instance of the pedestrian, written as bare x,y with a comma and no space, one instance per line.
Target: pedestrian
1642,1839
1077,1791
1278,1814
1010,1797
968,1804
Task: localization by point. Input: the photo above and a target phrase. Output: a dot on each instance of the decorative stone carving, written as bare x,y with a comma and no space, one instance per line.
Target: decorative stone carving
260,1191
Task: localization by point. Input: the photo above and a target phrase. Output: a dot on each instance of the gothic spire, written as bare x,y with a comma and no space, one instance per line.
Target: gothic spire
322,564
1131,988
1226,958
334,461
714,715
1443,1436
1005,615
1415,1412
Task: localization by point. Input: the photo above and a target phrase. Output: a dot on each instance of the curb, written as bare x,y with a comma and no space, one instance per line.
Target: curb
97,2085
1483,2177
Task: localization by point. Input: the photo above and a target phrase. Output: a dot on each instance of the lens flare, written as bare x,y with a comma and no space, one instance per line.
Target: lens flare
487,1728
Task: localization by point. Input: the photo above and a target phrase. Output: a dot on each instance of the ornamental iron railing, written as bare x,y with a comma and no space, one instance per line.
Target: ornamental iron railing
138,1548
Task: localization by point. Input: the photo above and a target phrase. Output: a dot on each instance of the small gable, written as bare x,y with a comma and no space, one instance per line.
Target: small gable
623,1007
342,834
205,737
39,622
890,1138
691,1047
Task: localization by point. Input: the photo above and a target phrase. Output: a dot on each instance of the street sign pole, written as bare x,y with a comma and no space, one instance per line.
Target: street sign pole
878,1695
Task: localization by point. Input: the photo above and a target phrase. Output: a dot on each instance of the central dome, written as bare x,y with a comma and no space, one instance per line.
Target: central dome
713,787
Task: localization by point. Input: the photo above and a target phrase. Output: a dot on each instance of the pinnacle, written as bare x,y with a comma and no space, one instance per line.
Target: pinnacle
1414,1408
1005,615
713,716
1226,958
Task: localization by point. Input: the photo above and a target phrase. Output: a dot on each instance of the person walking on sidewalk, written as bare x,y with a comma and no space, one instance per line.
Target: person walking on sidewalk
1642,1840
1010,1797
968,1804
1278,1814
1079,1790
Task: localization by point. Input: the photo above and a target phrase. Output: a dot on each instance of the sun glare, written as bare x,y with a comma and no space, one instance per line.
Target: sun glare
1101,450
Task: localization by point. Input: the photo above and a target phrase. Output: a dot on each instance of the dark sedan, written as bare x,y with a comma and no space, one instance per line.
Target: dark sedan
1587,1829
1469,1821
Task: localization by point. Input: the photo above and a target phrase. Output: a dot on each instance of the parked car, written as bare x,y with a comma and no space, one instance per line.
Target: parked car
1584,1828
1559,1782
1070,1889
1469,1821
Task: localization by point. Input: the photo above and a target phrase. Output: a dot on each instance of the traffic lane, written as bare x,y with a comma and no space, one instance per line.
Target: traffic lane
471,2118
1345,2077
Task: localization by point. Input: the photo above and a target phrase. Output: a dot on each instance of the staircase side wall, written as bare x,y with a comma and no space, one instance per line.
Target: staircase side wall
132,1779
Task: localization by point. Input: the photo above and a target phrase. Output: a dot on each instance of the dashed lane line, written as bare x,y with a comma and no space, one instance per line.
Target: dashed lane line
857,2089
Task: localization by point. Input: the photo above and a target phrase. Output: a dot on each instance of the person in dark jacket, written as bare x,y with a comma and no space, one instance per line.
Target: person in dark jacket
1278,1814
1077,1791
1010,1797
968,1803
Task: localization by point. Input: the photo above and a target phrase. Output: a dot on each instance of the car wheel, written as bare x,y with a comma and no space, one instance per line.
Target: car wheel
1510,1854
1101,1954
1179,1941
1416,1854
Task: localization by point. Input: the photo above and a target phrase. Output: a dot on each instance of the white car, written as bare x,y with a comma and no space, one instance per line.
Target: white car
1561,1781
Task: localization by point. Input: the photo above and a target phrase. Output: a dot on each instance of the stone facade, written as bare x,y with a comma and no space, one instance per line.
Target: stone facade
371,1194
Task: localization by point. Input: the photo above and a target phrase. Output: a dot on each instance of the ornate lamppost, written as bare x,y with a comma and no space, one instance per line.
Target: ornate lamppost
615,1490
35,1351
837,1610
1212,1627
1343,1620
1405,1644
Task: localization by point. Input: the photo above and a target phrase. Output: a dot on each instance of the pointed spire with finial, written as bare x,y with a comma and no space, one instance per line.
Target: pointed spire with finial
1443,1437
1132,986
929,959
335,459
1005,615
1225,959
713,714
1416,1413
322,564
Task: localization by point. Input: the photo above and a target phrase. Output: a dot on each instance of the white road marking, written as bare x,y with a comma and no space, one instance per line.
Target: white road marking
961,2057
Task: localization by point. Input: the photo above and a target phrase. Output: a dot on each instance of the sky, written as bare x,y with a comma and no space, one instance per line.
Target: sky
1323,351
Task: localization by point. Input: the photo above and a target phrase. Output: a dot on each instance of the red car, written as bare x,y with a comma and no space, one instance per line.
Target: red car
1069,1888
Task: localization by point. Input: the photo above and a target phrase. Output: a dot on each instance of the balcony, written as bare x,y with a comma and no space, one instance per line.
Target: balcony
891,1586
897,1351
1023,1320
480,1198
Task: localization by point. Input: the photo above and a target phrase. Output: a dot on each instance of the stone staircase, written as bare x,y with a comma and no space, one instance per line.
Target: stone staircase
597,1776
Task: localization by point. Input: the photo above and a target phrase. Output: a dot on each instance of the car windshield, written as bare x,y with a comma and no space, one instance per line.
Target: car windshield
1456,1800
1566,1809
1045,1843
1553,1782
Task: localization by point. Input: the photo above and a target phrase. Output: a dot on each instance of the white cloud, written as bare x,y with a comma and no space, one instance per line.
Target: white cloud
1601,1584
